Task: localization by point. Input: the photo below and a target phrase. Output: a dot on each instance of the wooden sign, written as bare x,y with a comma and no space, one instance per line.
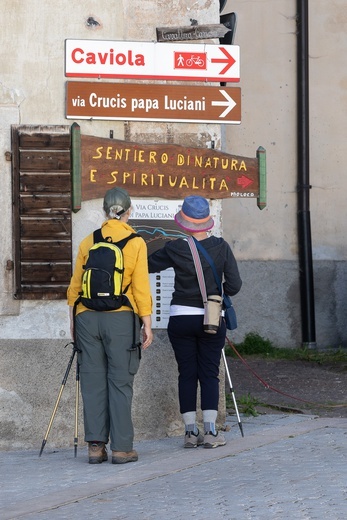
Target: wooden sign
141,102
191,32
166,171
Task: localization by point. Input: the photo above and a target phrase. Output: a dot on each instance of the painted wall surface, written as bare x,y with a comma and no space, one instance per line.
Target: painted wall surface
32,89
266,241
268,85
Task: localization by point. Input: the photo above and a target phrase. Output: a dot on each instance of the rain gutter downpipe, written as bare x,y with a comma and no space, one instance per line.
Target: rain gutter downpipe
303,187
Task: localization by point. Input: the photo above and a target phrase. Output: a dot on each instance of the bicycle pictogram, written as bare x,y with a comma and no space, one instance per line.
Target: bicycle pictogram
195,60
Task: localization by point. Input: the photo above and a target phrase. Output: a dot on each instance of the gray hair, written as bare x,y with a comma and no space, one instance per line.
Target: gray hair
114,210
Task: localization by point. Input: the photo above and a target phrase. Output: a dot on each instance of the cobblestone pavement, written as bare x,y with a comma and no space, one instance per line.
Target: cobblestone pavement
286,467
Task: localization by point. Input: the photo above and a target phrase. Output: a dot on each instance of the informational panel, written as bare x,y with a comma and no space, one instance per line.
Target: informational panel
154,221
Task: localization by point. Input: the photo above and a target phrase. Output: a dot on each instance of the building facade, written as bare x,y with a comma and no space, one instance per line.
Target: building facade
33,332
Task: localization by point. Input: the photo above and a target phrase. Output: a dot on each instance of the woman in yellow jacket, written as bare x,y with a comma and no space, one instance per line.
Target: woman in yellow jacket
106,359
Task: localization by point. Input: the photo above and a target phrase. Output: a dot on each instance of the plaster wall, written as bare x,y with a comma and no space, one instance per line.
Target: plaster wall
268,85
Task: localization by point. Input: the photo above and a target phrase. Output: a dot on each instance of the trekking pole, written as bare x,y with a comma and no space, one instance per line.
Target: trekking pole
232,393
74,350
76,406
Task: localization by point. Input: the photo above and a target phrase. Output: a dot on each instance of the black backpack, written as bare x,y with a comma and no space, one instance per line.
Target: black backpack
103,274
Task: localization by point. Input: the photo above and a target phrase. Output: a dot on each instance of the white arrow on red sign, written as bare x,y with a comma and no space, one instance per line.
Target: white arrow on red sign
151,60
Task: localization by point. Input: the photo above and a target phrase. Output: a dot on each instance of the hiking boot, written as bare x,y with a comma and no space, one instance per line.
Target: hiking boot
193,440
121,457
213,440
97,452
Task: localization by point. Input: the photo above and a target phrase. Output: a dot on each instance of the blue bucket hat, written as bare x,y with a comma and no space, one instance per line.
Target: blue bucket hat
195,214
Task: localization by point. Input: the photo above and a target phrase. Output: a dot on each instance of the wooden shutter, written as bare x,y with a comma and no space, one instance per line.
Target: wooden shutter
41,174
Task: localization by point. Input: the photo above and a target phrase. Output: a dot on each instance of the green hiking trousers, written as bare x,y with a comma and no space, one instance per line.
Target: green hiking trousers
108,363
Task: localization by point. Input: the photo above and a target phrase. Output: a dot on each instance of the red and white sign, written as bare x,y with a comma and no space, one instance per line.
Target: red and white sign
151,60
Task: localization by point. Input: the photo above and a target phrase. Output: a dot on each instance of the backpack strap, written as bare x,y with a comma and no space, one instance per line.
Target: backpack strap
121,244
97,236
211,262
124,241
226,299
